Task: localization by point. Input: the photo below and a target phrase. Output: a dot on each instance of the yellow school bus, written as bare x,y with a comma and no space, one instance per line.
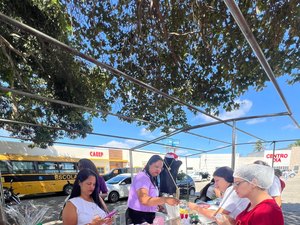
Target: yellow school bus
38,174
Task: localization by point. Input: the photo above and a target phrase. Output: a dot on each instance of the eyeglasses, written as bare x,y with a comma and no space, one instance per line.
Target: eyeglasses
236,184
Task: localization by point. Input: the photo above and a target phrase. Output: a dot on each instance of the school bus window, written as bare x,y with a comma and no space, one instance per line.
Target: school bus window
48,167
22,167
67,167
4,165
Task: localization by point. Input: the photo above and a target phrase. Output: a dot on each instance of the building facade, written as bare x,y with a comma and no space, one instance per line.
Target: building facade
107,159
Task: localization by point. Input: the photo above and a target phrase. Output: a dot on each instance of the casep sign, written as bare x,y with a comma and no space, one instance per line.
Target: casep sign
280,157
96,154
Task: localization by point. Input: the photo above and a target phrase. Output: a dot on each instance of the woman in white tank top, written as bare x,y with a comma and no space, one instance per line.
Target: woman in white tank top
84,206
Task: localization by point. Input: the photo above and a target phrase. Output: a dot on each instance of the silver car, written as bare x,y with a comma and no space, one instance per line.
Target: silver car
118,187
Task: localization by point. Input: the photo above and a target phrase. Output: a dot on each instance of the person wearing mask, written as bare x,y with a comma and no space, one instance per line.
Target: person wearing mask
84,206
208,192
252,182
230,204
144,197
275,189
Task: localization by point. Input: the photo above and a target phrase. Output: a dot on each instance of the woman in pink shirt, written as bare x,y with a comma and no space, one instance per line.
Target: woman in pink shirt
143,195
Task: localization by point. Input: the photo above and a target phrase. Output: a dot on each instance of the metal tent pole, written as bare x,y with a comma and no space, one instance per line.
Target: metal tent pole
233,145
273,158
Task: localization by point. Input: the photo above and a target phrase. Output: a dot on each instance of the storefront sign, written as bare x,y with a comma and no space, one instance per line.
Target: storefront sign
96,154
280,157
277,157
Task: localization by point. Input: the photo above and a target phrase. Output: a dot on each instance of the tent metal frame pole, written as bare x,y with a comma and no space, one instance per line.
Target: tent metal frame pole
249,36
35,96
274,149
233,145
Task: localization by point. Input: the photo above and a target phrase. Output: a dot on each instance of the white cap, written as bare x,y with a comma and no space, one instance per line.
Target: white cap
259,175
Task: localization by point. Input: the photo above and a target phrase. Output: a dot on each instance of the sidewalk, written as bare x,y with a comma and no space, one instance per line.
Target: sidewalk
291,201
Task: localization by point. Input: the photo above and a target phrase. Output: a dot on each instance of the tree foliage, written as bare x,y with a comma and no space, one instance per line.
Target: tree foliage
259,146
33,65
192,50
296,143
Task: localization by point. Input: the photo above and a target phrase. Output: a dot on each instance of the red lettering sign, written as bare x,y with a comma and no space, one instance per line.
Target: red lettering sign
277,157
96,154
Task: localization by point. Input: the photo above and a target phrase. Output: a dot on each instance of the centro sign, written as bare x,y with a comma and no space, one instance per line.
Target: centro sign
277,157
96,154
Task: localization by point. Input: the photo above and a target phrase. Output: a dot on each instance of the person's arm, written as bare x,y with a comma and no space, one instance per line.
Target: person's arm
209,213
69,215
103,195
145,199
102,188
222,219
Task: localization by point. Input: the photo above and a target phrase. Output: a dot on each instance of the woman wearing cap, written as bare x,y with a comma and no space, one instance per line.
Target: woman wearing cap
231,204
275,189
143,197
251,182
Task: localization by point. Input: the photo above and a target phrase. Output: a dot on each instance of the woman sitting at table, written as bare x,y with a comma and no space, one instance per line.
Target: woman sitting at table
251,182
230,203
84,206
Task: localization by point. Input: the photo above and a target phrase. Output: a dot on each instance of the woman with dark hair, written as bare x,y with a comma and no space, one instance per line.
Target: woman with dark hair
208,192
88,164
230,204
143,197
84,206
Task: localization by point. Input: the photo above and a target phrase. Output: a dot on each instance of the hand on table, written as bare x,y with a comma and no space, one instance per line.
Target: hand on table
197,207
222,219
172,201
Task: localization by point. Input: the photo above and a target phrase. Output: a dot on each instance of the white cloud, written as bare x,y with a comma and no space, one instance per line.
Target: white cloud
290,127
255,121
245,106
146,133
120,144
116,144
133,142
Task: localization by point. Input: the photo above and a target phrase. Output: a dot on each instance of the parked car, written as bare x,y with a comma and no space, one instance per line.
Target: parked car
118,187
186,184
117,171
288,173
199,176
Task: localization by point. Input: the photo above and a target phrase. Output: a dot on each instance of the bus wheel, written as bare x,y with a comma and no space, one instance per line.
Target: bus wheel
6,194
68,189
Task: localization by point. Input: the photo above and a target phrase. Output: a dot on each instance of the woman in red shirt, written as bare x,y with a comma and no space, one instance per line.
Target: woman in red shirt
252,181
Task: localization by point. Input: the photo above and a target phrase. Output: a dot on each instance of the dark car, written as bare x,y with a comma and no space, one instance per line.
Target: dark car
186,184
117,171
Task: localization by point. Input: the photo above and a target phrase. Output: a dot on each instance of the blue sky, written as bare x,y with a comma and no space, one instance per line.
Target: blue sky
252,103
